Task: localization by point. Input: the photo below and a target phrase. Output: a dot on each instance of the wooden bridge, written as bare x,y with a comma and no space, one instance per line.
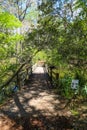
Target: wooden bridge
36,106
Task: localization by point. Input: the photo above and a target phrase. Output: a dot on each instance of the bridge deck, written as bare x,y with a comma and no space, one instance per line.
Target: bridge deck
35,107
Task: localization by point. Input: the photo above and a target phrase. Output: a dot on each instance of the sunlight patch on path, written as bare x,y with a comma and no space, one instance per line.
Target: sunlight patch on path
39,70
45,103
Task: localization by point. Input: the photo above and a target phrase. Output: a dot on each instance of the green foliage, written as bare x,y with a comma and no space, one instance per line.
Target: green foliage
8,38
82,5
9,21
41,55
65,84
84,91
6,92
75,112
81,77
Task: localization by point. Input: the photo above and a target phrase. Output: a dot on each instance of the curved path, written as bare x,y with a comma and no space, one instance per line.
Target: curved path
36,107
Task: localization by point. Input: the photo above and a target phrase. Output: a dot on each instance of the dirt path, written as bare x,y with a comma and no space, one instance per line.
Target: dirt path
36,107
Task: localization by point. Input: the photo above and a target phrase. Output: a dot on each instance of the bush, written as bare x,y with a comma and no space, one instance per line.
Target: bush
65,84
81,77
84,92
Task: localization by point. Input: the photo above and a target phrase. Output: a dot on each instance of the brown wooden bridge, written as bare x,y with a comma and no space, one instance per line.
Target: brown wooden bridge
37,107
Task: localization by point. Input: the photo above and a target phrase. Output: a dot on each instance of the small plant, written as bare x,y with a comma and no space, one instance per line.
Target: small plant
84,91
75,112
80,76
66,86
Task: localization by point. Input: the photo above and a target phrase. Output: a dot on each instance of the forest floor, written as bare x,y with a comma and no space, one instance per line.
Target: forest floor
37,107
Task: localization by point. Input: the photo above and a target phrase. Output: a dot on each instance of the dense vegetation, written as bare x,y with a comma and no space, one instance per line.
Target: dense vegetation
58,28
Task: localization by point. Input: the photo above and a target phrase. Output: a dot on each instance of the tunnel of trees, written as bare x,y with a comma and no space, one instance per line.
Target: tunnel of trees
56,29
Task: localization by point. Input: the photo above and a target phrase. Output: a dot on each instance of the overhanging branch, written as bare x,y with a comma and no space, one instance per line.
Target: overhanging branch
19,69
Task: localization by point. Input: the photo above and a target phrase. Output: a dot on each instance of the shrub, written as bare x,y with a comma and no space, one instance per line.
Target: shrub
81,77
65,84
84,92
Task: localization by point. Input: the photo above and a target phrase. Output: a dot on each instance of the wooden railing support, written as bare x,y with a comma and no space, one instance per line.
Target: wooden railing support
51,74
54,80
31,70
57,79
18,81
51,69
27,76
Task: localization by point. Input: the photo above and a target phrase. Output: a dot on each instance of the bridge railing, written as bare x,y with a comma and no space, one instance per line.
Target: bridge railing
23,75
20,79
54,75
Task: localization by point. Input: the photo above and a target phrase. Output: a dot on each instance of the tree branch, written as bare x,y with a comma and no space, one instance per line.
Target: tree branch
19,69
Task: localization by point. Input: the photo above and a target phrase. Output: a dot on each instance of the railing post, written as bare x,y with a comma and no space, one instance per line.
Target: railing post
18,81
31,70
27,75
57,78
51,69
51,74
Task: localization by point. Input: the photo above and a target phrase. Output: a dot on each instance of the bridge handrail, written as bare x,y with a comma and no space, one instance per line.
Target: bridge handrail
53,74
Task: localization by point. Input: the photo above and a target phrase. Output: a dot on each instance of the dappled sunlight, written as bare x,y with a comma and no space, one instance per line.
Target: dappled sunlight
43,64
36,107
8,124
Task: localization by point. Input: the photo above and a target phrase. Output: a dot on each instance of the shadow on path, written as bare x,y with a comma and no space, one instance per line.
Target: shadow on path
35,107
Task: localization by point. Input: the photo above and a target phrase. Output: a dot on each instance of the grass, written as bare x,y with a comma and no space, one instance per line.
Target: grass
74,112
